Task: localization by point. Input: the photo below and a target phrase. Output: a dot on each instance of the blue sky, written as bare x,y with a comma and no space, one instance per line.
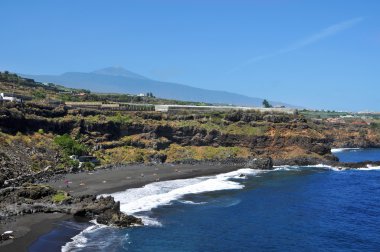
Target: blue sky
318,54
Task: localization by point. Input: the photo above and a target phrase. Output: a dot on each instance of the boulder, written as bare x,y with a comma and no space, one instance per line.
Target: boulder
260,163
117,218
7,235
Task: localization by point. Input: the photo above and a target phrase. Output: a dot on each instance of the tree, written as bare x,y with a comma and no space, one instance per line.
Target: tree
150,94
266,104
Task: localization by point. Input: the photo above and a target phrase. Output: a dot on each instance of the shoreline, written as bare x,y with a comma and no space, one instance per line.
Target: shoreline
102,181
119,178
30,227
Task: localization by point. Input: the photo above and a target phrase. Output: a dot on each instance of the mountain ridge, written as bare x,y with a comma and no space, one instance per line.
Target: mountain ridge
120,80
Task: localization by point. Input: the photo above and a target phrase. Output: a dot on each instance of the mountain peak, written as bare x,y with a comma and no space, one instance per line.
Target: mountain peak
118,71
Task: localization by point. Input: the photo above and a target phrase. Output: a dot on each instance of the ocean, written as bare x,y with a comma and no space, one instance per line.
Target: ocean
314,208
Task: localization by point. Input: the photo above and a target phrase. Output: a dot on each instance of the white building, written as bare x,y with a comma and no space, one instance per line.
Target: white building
172,108
9,97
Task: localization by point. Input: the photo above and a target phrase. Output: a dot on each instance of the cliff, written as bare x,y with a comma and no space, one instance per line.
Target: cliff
29,133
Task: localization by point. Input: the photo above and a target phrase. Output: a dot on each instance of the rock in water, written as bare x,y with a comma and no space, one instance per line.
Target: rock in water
115,218
107,212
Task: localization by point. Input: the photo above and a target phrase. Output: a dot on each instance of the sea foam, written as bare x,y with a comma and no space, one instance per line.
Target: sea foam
138,201
80,240
344,149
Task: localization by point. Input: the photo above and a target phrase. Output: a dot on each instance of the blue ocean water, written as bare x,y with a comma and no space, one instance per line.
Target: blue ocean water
290,209
357,155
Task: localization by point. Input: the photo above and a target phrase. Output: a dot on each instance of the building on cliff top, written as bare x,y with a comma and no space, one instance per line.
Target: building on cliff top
10,97
174,108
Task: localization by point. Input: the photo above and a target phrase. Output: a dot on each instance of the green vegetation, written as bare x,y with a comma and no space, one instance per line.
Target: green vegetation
179,153
322,114
12,83
70,146
217,124
124,155
39,94
117,136
150,94
88,166
120,118
60,196
175,152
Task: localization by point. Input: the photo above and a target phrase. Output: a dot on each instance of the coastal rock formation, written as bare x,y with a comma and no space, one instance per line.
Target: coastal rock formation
113,216
260,163
28,152
29,199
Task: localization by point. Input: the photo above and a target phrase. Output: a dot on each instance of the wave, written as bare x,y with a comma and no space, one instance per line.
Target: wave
344,149
189,202
300,168
369,168
80,240
138,201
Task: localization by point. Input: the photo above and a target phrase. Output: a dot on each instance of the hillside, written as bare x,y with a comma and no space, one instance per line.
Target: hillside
43,142
119,80
39,135
35,91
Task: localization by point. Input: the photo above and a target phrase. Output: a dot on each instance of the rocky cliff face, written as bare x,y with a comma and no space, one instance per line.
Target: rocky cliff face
156,137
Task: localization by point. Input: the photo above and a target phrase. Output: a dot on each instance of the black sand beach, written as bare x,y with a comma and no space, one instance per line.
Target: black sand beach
124,177
28,228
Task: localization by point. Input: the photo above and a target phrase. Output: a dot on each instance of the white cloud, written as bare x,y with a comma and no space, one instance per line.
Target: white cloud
327,32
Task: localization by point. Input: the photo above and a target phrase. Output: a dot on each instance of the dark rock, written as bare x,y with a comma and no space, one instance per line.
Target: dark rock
300,161
260,163
35,192
111,217
124,220
364,164
234,116
157,158
7,236
90,208
320,149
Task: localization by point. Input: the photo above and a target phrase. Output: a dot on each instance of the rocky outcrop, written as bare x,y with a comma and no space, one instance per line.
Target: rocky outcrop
113,216
365,164
29,199
260,163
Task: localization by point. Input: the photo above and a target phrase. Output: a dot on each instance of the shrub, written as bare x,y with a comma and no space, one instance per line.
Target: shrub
60,196
41,131
70,146
88,166
39,94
